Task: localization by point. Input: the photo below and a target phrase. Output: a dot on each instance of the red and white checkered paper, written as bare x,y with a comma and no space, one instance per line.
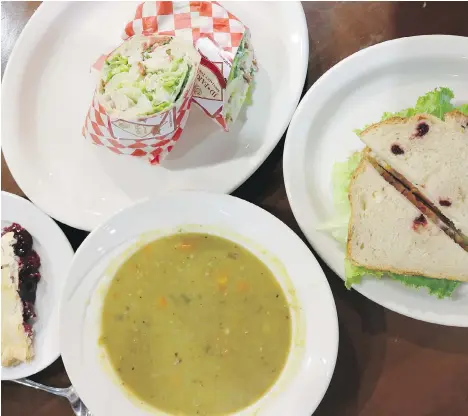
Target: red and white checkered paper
100,130
190,20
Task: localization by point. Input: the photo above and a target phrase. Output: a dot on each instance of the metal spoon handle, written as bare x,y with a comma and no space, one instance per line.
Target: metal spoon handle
54,390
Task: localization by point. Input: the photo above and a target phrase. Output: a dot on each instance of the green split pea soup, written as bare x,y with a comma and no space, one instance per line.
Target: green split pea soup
194,324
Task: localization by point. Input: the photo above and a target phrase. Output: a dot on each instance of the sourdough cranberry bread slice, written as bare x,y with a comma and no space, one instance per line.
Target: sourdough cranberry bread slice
388,233
429,155
427,209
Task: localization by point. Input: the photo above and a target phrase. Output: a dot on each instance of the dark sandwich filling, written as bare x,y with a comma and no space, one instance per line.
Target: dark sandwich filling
405,187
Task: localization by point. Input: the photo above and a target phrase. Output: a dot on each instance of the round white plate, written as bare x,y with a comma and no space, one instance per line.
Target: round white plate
81,184
311,361
56,255
385,77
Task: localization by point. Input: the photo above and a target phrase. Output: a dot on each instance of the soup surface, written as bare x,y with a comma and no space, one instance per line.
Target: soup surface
194,324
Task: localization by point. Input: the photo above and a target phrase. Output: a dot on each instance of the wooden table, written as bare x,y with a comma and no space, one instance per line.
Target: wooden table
387,364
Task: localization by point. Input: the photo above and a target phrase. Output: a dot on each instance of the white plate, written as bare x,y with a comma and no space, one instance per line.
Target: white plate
311,361
56,255
386,77
48,87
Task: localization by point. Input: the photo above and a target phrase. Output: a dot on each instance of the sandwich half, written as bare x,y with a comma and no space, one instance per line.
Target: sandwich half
388,234
430,157
408,191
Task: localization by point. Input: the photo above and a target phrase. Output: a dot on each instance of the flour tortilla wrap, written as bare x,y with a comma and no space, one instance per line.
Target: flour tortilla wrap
146,75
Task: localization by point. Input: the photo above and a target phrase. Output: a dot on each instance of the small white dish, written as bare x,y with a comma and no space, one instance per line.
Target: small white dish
81,184
56,254
386,77
311,362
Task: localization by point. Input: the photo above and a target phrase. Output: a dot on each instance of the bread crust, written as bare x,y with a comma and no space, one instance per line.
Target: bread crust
457,116
398,120
454,115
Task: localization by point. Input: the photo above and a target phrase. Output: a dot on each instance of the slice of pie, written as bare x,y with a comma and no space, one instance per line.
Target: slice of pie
20,276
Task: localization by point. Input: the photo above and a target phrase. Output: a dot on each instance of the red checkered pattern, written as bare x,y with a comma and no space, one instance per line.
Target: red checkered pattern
188,19
97,128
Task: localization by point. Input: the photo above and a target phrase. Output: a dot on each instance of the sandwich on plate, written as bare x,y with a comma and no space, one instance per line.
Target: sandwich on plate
403,201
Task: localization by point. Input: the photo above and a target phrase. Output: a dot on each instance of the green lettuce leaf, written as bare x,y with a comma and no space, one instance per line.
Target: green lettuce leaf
441,288
116,65
157,108
185,81
341,177
437,103
463,109
248,94
235,69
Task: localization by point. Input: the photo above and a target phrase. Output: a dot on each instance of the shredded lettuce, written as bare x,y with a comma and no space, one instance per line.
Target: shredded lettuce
436,102
116,65
248,94
136,82
240,81
235,69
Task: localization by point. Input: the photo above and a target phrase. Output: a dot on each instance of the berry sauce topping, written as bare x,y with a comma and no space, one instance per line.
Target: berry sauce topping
396,149
418,222
27,291
31,261
445,202
28,311
29,275
24,240
421,129
25,274
27,328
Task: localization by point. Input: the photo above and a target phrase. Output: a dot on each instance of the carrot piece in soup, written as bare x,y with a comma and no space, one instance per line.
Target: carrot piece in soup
242,286
162,302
